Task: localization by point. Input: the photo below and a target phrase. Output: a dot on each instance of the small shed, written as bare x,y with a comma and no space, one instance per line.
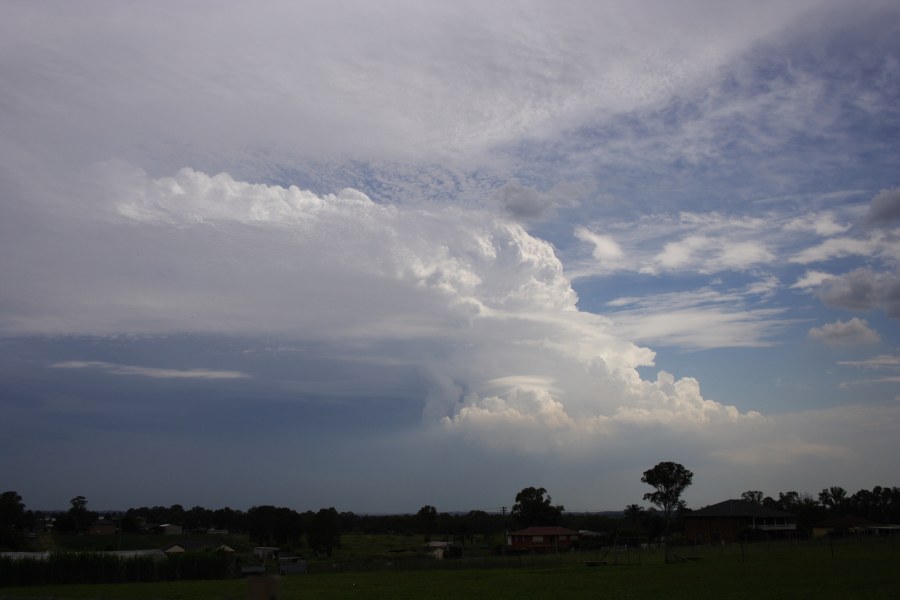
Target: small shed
442,550
170,529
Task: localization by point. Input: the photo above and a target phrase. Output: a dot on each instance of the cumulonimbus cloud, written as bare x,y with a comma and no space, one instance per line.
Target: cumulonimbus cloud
484,309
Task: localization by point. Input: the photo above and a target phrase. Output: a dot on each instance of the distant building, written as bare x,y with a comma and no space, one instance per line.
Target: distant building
734,520
194,546
542,539
442,550
170,529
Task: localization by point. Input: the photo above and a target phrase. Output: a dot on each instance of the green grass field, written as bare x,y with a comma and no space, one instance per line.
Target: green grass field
849,570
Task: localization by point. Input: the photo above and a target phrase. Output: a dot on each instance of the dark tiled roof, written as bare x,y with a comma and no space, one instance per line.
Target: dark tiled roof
739,508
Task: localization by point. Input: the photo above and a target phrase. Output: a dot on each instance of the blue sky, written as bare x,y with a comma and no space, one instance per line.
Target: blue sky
381,255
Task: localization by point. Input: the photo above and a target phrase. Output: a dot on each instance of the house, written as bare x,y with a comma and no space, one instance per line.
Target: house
103,527
734,520
542,539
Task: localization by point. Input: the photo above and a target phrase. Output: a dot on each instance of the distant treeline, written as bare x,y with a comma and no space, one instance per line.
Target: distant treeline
320,531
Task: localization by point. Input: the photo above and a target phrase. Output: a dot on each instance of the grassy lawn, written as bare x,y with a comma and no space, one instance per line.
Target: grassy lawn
853,571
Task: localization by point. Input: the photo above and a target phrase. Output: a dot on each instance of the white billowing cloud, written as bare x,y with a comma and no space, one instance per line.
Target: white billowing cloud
838,248
710,255
811,279
683,253
764,287
606,252
480,306
659,244
740,256
823,224
854,332
711,243
152,372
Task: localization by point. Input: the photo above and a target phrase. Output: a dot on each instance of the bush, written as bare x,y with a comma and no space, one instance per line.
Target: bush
97,567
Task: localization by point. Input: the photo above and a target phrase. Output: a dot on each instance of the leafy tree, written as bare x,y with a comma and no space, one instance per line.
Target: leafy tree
833,498
634,512
753,496
12,520
272,525
197,518
324,533
478,522
669,479
426,519
533,508
78,518
803,506
12,510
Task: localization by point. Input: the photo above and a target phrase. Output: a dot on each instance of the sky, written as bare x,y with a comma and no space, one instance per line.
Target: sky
378,255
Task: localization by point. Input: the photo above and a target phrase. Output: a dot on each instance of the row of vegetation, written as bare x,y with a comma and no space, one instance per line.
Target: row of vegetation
318,534
94,567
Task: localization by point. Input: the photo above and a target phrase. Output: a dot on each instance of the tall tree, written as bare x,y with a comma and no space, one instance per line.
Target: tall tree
12,521
634,512
426,519
534,507
669,480
324,531
833,498
754,496
79,514
12,510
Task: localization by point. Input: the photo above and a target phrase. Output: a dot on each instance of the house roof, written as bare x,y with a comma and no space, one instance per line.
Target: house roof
544,531
738,508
